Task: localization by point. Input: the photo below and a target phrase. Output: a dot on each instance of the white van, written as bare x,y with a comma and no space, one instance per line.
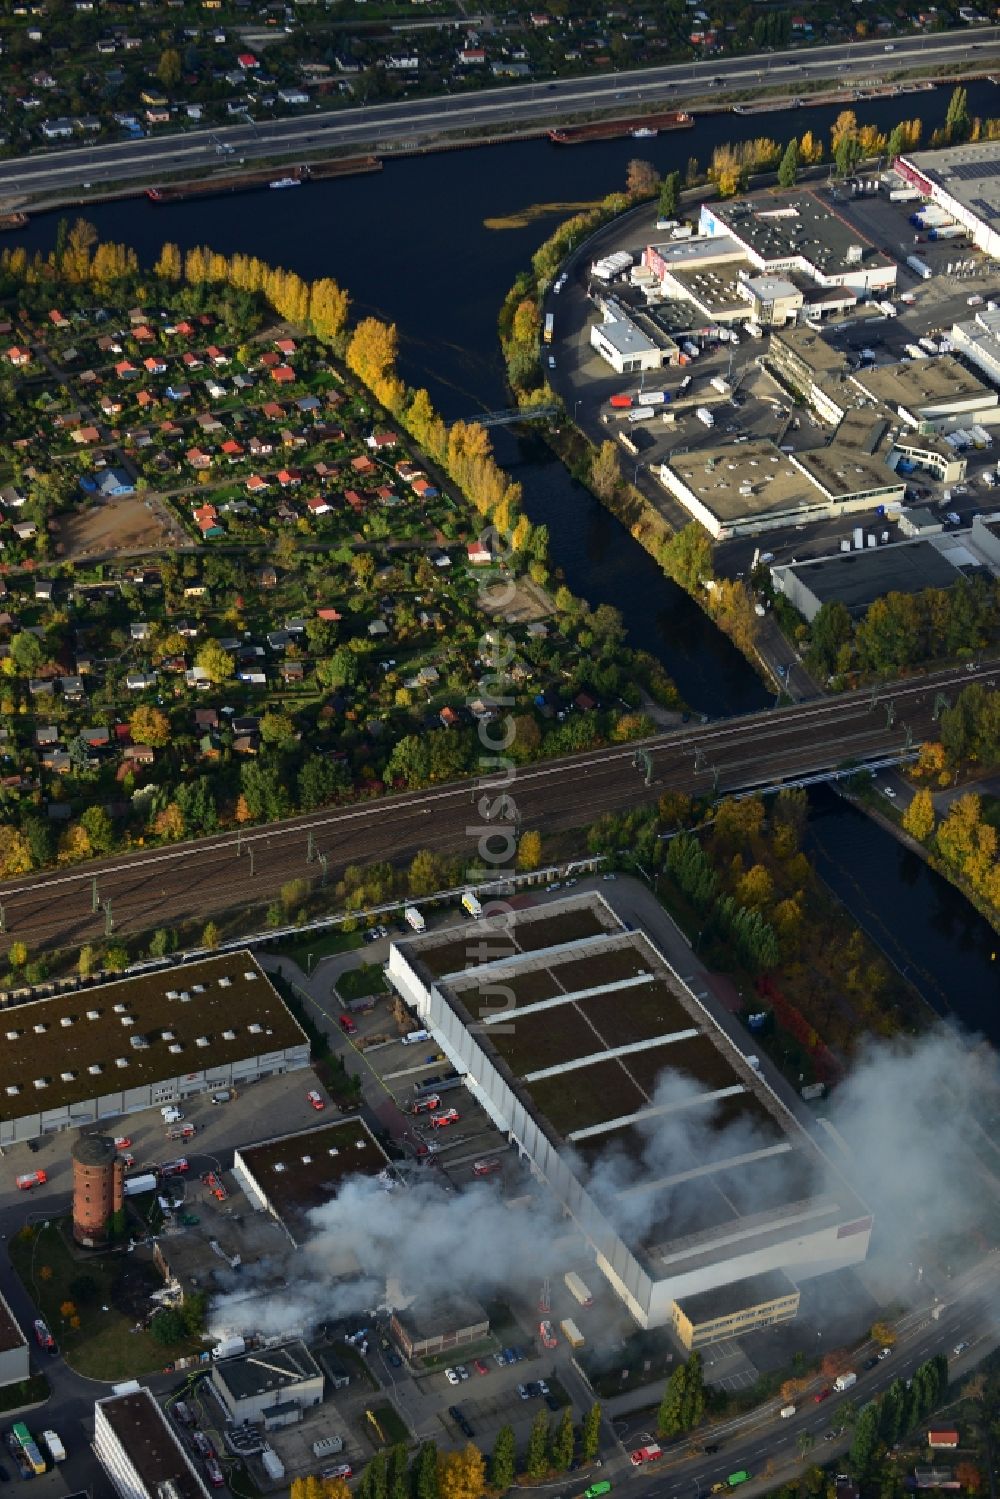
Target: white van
786,1411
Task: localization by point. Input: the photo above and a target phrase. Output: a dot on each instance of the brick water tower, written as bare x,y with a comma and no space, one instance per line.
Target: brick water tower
98,1172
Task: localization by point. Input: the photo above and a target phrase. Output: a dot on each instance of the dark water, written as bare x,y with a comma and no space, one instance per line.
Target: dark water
412,247
923,924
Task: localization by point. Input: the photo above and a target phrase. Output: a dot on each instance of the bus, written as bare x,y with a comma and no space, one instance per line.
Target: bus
550,326
735,1479
26,1442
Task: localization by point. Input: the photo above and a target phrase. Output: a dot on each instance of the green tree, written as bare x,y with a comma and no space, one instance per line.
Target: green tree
426,873
563,1442
670,189
161,942
399,1482
957,123
866,1437
687,558
277,728
26,652
604,473
694,1393
590,1434
536,1462
99,829
832,628
503,1463
319,781
788,170
425,1472
670,1417
210,936
214,661
168,69
167,1327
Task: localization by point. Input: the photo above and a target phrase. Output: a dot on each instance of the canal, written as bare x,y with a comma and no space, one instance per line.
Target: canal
411,244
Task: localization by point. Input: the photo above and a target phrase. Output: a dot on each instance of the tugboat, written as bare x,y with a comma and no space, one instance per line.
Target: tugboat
285,182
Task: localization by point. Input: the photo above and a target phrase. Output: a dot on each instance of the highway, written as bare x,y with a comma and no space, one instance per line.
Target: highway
195,880
398,126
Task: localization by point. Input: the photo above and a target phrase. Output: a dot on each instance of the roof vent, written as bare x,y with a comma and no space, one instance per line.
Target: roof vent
229,1035
12,1089
128,1020
225,983
13,1035
360,1144
201,1041
120,1009
255,1028
40,1028
139,1043
279,1166
166,1035
307,1160
197,988
121,1061
41,1082
93,1014
67,1077
333,1150
184,996
95,1068
171,993
175,1048
66,1021
249,976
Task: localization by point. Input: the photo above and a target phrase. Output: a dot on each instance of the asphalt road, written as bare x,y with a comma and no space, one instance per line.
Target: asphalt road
397,126
199,879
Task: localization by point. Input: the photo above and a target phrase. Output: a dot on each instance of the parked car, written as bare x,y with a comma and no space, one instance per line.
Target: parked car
315,1100
348,1025
451,1375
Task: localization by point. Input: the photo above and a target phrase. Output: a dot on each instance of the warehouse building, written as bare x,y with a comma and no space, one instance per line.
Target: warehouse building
850,470
424,1329
160,1037
800,234
613,1059
978,339
856,579
739,491
965,182
624,345
930,394
807,365
290,1175
774,300
273,1386
728,1311
140,1452
14,1363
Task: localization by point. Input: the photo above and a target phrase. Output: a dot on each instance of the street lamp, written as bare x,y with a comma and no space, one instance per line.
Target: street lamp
309,964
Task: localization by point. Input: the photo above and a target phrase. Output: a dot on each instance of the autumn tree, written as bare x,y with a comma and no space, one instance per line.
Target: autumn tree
214,661
883,1334
919,819
371,352
641,179
169,265
15,852
150,726
328,309
168,69
810,149
969,1476
687,557
604,472
462,1475
590,1434
210,936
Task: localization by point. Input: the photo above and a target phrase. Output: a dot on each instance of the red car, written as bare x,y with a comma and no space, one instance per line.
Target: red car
441,1121
426,1105
122,1142
479,1366
314,1099
824,1394
348,1026
485,1168
175,1168
343,1470
621,403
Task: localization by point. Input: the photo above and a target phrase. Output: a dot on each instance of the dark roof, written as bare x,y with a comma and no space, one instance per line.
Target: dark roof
737,1296
303,1171
152,1447
429,1319
11,1335
94,1150
252,1374
858,578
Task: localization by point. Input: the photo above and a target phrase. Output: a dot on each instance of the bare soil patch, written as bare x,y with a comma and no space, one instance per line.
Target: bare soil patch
131,523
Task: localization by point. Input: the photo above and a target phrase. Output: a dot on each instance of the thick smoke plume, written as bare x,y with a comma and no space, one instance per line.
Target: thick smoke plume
913,1132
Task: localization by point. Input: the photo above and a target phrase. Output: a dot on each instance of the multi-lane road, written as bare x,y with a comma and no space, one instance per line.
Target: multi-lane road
199,879
392,127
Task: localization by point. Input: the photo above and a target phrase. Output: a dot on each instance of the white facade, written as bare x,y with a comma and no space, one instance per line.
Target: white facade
253,1383
14,1359
625,347
716,219
139,1452
979,340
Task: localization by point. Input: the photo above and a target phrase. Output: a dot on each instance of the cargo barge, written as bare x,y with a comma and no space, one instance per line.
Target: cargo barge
606,130
13,220
245,182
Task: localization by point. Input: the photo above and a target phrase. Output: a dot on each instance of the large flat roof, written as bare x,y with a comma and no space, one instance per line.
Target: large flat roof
844,468
152,1447
752,478
969,173
302,1171
737,1296
221,1009
811,348
922,382
606,1045
430,1319
858,578
699,250
716,290
624,336
799,225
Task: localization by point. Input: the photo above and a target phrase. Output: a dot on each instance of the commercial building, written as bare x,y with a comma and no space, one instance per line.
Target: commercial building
978,339
96,1052
738,491
424,1328
273,1386
774,300
849,470
730,1311
14,1361
965,182
290,1175
856,579
985,538
98,1189
676,1161
798,233
623,344
140,1452
810,367
930,394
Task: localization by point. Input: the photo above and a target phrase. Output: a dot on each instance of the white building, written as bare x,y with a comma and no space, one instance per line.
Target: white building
14,1361
965,182
140,1452
745,1190
274,1385
979,340
799,233
89,1054
625,347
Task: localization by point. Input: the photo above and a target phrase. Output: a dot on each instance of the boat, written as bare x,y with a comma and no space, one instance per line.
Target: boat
644,133
285,182
13,220
606,130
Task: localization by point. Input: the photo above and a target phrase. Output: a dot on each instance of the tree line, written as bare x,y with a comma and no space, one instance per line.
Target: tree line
903,630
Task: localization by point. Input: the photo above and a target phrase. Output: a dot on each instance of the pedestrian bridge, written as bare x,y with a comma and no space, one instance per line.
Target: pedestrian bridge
513,414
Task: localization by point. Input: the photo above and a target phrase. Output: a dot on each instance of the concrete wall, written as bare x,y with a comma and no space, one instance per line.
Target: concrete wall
14,1365
152,1095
